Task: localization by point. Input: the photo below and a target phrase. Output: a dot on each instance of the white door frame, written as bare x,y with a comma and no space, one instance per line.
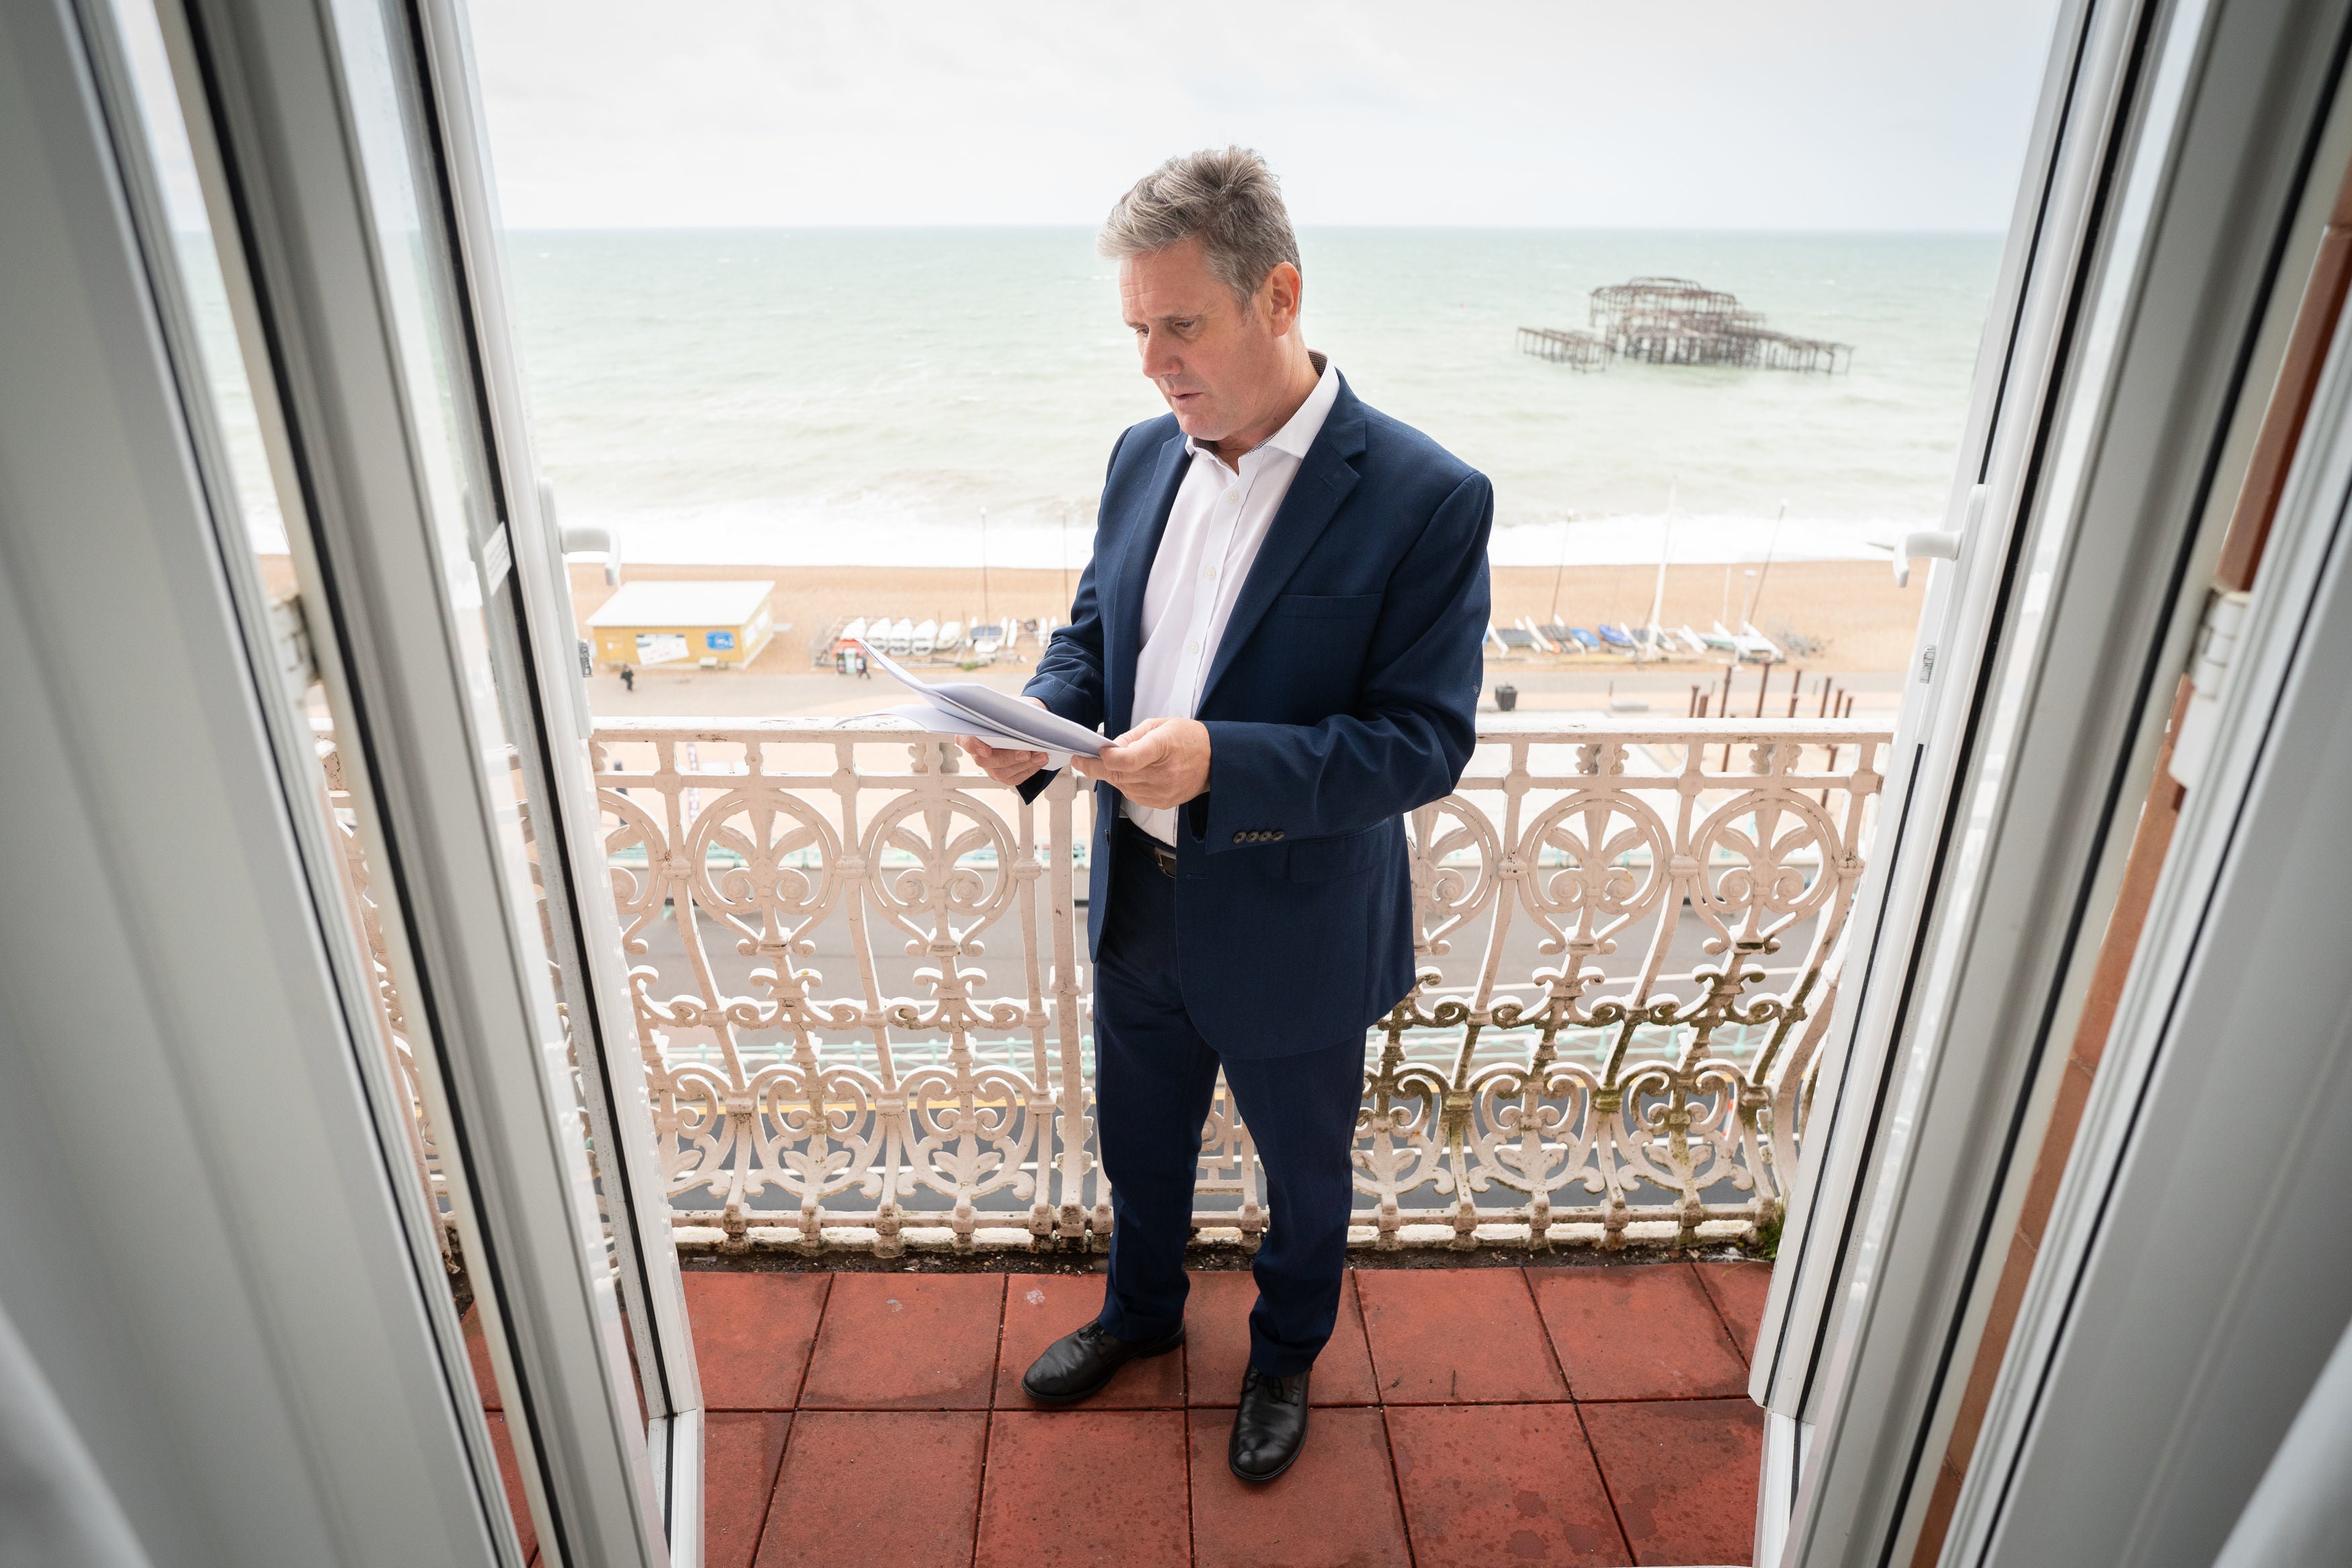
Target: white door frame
2033,317
541,625
423,571
2222,108
2155,1367
208,1244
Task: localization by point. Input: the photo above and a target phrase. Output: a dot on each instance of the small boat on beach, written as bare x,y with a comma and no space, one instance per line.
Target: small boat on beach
1584,639
1617,636
901,638
854,630
950,637
1752,644
926,638
1716,642
987,642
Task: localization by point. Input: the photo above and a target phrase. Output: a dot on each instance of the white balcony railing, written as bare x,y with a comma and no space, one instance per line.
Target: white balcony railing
860,983
861,989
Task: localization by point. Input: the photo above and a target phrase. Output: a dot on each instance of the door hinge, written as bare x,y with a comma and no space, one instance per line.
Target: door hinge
2208,666
289,641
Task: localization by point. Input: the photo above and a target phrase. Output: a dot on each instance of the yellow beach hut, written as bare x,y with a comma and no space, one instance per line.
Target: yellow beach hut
705,625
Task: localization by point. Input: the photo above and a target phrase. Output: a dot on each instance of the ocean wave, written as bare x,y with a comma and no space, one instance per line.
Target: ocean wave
788,534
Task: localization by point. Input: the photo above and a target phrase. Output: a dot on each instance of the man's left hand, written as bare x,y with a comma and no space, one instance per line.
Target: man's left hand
1160,763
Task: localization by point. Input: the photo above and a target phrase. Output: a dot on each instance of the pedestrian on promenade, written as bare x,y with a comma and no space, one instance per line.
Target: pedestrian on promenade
1280,627
628,678
861,667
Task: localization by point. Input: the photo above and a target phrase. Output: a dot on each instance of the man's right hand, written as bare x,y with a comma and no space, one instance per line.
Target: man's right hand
1004,763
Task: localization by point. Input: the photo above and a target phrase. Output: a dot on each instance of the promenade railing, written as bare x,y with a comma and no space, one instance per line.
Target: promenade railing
859,973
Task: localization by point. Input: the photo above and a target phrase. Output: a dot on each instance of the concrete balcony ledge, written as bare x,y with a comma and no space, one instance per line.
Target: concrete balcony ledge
695,1240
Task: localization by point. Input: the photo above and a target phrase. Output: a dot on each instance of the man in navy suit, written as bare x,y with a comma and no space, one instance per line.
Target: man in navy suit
1281,626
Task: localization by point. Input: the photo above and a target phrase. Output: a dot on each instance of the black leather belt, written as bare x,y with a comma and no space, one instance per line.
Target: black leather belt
1162,855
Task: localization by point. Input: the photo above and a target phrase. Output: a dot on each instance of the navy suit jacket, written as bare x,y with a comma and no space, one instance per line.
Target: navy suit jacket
1343,695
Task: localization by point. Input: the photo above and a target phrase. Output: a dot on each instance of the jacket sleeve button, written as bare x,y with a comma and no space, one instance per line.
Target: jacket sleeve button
1277,833
1241,838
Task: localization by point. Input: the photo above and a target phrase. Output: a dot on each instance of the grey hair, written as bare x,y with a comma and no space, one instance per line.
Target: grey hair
1226,197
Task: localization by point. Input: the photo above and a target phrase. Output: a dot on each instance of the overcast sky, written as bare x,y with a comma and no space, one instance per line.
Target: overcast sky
1884,114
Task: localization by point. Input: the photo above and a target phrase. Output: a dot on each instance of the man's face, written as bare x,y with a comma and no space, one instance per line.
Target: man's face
1218,361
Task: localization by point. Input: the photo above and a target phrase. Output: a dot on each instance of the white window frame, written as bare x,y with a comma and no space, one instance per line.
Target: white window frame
2217,112
285,177
252,1380
2155,1367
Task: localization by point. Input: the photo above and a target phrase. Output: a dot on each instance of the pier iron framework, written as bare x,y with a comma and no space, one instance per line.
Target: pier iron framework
1675,321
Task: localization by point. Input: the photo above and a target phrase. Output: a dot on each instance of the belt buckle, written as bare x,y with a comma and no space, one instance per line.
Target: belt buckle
1162,855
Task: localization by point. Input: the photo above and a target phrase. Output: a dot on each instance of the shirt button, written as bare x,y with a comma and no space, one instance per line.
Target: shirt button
1233,497
1210,574
1192,648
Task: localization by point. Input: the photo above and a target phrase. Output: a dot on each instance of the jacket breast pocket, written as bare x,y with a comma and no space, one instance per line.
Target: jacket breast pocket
1328,859
1328,606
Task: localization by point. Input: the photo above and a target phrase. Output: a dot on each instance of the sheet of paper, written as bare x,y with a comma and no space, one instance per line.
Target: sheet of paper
938,721
990,710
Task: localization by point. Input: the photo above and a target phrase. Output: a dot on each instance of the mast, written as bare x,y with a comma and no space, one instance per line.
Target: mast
1756,592
1565,526
1666,550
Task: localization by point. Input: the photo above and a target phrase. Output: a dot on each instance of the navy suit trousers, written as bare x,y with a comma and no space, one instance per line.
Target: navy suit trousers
1154,1078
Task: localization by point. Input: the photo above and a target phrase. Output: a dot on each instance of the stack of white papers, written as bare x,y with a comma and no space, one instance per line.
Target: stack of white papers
999,719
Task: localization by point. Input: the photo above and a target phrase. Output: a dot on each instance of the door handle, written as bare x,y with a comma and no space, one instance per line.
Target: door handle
1935,543
1925,543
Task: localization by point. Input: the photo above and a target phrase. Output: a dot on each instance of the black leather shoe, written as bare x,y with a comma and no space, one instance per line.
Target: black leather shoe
1076,1366
1270,1427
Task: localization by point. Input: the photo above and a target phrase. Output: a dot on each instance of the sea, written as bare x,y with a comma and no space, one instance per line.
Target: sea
949,396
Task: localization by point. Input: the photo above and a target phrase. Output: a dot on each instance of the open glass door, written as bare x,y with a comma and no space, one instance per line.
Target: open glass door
1972,575
338,287
2166,199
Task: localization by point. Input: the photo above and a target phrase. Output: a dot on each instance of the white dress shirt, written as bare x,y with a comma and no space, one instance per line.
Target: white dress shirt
1214,529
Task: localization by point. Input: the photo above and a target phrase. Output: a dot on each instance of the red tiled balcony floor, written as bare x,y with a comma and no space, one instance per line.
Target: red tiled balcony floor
1463,1417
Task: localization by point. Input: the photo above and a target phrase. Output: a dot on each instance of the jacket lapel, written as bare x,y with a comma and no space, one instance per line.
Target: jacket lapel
1123,596
1323,481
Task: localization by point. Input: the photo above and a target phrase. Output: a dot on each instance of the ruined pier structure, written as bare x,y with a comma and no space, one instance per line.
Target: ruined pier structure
1674,321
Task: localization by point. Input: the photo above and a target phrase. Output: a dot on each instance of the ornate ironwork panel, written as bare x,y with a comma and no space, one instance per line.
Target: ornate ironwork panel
860,980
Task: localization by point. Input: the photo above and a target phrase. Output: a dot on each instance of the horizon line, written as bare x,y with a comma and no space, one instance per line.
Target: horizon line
1455,227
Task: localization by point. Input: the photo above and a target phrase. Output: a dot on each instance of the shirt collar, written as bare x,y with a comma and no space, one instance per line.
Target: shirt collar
1299,433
